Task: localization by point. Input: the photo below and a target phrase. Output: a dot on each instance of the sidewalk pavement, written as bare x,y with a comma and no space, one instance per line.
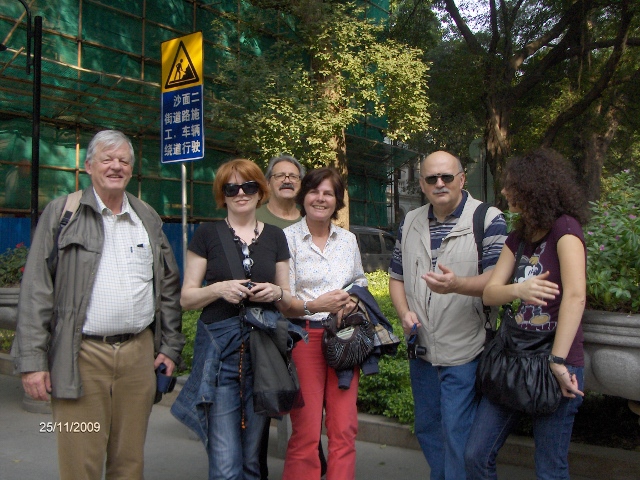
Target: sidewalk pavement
173,452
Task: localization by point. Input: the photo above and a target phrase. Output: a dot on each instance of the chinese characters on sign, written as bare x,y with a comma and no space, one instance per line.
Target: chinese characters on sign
182,125
182,121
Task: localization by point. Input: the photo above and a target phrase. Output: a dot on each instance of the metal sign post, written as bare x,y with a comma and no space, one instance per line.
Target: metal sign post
182,119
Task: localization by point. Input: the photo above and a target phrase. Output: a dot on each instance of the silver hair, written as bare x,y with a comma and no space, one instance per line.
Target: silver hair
108,139
284,158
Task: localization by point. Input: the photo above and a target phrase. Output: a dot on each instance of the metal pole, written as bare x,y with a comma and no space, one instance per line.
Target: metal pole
184,218
35,120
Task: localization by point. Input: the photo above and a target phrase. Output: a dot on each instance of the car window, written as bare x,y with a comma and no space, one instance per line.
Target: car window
370,243
389,243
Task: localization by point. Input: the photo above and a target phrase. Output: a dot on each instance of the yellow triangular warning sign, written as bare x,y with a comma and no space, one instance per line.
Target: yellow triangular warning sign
182,72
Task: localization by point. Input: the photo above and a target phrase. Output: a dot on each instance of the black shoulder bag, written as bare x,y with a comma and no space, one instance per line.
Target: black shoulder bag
513,370
276,389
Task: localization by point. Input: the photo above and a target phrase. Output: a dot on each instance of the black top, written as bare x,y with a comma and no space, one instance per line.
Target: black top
270,248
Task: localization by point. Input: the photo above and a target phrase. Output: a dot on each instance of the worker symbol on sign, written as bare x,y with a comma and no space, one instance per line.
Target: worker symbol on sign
182,70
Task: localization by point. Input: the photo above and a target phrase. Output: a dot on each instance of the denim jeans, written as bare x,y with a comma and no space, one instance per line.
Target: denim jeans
233,450
552,435
210,402
445,405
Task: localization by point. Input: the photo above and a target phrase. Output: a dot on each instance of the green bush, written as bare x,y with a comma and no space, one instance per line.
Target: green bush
613,240
389,392
189,323
12,264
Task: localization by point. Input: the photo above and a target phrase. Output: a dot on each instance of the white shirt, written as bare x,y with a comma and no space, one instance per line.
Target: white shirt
313,272
122,296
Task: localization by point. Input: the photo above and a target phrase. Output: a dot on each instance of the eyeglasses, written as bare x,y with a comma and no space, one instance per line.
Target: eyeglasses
233,189
247,262
281,176
446,178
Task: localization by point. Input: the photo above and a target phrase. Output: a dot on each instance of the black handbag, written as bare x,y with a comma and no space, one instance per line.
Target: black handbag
276,389
352,343
513,370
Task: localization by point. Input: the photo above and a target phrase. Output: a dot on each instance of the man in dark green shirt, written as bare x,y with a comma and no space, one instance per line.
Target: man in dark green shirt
283,174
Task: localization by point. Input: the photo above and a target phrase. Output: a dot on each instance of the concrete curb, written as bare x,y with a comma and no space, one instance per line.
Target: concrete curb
584,460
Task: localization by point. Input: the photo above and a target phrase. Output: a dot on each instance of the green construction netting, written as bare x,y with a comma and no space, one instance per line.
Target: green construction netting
101,69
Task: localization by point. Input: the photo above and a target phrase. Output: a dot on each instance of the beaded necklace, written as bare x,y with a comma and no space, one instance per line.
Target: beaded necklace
247,263
239,240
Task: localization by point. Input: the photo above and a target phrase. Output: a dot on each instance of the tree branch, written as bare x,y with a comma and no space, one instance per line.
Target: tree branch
602,83
574,15
495,33
465,31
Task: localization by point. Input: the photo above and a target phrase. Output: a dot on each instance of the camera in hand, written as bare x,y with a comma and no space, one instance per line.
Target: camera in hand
413,349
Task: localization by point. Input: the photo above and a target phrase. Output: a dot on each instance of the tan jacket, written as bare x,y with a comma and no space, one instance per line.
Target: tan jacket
52,309
452,324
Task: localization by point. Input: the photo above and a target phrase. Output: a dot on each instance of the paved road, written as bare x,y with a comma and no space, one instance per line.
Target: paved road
172,452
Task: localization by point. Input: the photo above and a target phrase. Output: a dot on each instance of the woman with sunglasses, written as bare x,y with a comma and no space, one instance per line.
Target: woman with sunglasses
216,402
325,261
550,280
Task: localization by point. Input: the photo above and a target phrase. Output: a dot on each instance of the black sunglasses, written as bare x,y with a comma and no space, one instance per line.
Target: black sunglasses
446,178
232,189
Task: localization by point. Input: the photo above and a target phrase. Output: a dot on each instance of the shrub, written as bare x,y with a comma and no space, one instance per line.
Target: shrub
12,265
389,392
613,239
189,324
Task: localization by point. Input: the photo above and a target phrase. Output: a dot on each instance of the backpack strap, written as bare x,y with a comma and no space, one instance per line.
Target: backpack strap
478,229
69,210
478,233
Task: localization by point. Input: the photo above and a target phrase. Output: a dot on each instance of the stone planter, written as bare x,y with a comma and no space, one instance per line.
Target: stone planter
8,317
612,354
8,307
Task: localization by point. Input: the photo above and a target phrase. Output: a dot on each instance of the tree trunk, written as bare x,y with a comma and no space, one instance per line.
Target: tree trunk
595,147
497,143
339,145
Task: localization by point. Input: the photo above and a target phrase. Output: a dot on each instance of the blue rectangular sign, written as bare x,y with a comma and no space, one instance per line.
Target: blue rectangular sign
182,125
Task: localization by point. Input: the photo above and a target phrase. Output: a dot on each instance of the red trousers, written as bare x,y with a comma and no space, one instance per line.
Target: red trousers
319,385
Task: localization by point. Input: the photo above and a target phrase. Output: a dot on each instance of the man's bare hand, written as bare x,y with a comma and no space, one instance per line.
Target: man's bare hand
445,282
409,319
37,385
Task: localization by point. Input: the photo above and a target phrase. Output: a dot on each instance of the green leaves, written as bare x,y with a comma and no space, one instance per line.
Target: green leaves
613,239
12,264
332,70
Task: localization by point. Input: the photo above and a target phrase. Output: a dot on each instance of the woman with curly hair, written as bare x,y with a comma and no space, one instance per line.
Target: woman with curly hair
550,280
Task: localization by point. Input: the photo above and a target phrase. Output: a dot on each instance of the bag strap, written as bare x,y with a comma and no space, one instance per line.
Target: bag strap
230,250
70,208
478,229
478,234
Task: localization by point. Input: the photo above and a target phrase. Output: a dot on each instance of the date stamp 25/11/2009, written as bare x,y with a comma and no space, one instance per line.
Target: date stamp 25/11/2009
69,427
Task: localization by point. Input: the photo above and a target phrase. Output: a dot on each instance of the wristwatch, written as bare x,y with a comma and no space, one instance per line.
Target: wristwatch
557,360
306,310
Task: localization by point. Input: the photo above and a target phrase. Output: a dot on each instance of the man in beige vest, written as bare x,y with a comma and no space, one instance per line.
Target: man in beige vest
436,289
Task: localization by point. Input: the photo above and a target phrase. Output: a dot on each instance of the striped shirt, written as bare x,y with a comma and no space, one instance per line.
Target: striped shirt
122,296
492,241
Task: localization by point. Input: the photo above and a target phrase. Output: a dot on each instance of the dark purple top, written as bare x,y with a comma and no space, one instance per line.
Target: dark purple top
538,257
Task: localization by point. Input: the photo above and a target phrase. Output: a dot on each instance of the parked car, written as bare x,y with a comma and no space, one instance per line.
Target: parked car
376,247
